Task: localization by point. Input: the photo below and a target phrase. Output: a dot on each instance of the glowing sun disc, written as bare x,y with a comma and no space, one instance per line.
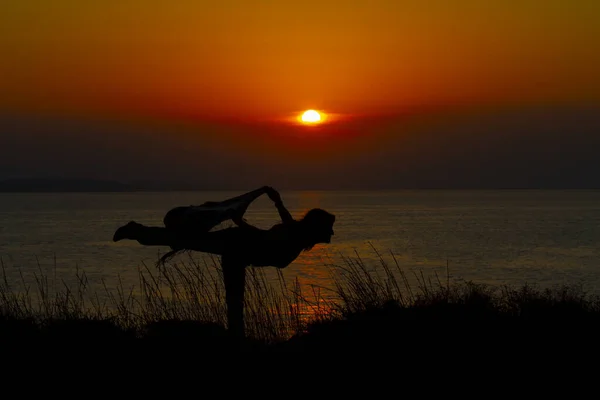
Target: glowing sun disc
311,117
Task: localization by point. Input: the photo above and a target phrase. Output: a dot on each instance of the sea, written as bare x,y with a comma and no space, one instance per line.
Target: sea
545,238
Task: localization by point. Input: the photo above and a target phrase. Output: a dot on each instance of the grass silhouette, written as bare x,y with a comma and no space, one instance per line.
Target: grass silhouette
180,309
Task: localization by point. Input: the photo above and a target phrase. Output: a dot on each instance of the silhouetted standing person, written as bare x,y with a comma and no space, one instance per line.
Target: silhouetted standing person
240,246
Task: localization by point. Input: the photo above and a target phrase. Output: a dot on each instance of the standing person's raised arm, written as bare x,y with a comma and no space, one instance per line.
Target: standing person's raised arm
285,215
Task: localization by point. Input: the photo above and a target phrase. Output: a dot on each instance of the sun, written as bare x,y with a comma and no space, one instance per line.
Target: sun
311,117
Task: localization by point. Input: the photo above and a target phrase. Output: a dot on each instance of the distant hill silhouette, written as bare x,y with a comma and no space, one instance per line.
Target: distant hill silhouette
40,185
63,185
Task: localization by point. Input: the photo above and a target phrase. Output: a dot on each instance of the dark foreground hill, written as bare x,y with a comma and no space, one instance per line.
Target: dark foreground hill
531,325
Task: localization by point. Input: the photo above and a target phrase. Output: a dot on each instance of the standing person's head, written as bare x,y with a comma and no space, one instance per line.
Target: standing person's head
317,227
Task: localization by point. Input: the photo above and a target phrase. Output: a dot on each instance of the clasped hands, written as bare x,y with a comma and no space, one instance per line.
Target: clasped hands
273,194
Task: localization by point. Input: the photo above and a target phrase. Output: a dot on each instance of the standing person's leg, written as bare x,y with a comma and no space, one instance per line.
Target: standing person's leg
234,275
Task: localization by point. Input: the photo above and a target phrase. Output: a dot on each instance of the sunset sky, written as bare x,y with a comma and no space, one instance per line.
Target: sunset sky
237,73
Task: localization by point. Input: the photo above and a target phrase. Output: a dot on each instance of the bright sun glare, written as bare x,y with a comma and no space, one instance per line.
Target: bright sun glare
311,117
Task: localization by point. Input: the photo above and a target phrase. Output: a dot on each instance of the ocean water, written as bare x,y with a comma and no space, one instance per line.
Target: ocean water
495,237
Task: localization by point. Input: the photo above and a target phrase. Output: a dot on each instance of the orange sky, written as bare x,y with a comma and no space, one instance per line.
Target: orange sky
267,59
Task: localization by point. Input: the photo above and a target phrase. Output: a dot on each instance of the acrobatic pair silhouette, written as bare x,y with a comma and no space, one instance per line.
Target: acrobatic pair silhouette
189,228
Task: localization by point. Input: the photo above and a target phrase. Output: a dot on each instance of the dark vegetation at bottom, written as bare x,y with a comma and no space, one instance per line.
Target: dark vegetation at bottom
375,313
473,326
